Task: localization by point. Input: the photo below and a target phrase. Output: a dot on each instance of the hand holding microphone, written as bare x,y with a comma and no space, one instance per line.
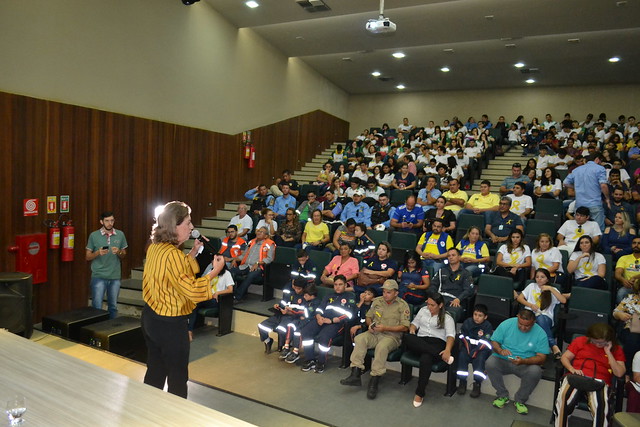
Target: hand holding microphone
203,239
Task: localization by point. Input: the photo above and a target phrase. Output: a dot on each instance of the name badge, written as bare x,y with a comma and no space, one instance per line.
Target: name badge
500,227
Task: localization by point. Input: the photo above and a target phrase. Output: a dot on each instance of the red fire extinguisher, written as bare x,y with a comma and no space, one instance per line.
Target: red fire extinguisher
252,159
54,234
68,236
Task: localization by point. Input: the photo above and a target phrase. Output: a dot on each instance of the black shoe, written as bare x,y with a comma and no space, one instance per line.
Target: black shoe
476,390
292,357
462,388
284,353
319,368
372,391
267,346
309,365
353,379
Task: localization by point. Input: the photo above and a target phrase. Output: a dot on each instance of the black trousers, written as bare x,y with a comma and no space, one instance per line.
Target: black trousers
429,349
167,342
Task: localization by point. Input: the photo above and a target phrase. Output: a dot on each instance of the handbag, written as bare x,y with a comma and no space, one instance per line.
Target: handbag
585,383
634,327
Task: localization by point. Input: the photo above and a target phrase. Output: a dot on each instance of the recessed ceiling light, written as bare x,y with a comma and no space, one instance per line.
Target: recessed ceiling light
398,55
614,59
445,69
448,50
400,86
489,17
574,40
510,45
519,64
530,81
376,74
252,4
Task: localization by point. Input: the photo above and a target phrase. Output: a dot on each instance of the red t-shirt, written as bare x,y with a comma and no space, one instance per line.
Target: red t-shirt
583,349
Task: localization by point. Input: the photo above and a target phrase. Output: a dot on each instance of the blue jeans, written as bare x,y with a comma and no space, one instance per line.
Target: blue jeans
112,288
546,323
596,213
435,265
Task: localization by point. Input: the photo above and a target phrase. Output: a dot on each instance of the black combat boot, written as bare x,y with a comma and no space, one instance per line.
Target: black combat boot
354,378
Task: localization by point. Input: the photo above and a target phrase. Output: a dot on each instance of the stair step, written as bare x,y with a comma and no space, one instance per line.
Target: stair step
226,214
136,273
215,222
132,284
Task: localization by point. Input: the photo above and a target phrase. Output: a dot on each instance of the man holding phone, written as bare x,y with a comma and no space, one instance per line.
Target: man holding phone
105,249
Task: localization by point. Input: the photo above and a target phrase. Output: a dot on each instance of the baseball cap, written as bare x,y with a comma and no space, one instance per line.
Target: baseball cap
390,284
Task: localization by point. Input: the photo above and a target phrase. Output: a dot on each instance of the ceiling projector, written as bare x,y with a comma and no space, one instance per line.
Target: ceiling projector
380,26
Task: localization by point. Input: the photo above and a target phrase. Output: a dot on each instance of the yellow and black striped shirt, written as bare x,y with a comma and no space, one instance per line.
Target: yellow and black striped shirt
169,285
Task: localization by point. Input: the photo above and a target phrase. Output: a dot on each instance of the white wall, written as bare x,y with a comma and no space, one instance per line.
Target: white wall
156,59
372,110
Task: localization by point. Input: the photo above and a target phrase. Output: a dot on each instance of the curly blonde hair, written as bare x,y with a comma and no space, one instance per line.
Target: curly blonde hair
164,230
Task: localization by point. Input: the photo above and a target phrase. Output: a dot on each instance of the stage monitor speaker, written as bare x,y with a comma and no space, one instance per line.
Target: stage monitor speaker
15,303
122,335
68,324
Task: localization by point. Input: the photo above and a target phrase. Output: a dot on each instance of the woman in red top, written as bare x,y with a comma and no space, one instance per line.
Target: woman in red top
601,347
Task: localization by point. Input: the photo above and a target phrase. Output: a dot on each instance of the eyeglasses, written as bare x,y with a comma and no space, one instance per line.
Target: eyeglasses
229,231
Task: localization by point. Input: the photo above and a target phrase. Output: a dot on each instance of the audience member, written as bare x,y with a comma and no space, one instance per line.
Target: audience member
544,255
357,210
414,279
232,247
268,221
388,319
286,311
510,181
513,258
332,316
456,198
285,201
330,207
448,217
363,246
484,202
427,196
618,206
242,221
343,264
502,223
381,213
377,269
260,252
549,185
627,312
588,266
404,180
541,297
590,184
585,356
316,233
432,335
520,348
408,217
617,239
294,188
628,269
290,231
260,199
475,255
433,246
571,230
475,348
344,234
308,206
521,204
455,284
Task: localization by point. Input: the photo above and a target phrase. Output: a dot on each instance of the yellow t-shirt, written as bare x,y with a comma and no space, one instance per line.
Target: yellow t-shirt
484,202
315,232
432,243
630,264
469,251
459,195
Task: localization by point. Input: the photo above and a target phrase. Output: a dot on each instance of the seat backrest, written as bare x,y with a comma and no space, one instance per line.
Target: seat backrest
587,299
467,220
398,197
551,216
320,259
402,240
537,226
495,286
378,235
285,255
544,204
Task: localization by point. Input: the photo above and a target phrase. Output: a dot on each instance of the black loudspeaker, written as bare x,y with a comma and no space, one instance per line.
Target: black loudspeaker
68,324
122,335
15,303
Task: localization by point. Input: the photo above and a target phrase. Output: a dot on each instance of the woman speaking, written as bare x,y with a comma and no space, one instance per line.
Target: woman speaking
170,291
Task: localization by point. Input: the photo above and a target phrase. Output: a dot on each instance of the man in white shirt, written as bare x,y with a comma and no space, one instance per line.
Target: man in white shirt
363,173
521,204
572,229
242,221
630,128
543,160
561,161
405,127
549,122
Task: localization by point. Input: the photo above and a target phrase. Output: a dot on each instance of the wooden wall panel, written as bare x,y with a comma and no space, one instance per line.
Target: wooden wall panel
108,161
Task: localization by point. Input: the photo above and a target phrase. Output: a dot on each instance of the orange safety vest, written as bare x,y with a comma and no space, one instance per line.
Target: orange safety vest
235,249
265,247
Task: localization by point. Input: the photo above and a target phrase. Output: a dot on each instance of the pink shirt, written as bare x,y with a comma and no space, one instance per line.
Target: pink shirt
349,268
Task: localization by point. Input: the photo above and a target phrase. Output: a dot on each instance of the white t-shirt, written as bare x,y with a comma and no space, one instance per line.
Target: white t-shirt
242,223
385,179
375,193
219,283
624,175
543,161
462,162
263,223
556,160
516,257
569,230
404,128
587,267
546,259
514,136
549,188
362,176
635,367
520,204
532,294
472,152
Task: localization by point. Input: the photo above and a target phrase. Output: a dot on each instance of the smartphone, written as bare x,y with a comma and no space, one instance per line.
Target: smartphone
105,247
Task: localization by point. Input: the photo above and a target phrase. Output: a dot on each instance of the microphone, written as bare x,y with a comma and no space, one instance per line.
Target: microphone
196,235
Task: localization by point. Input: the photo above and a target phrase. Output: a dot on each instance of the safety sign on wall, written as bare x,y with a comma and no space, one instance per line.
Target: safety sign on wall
30,207
64,204
52,202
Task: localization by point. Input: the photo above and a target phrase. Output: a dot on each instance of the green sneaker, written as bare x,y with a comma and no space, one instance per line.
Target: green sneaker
500,402
521,408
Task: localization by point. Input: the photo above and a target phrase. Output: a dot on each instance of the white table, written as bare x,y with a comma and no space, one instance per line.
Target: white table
64,391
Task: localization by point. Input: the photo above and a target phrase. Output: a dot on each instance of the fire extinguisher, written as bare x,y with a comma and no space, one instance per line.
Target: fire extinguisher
68,236
54,234
252,159
247,146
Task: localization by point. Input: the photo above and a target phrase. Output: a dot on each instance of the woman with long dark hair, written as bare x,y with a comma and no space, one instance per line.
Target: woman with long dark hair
413,279
588,265
513,259
432,336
